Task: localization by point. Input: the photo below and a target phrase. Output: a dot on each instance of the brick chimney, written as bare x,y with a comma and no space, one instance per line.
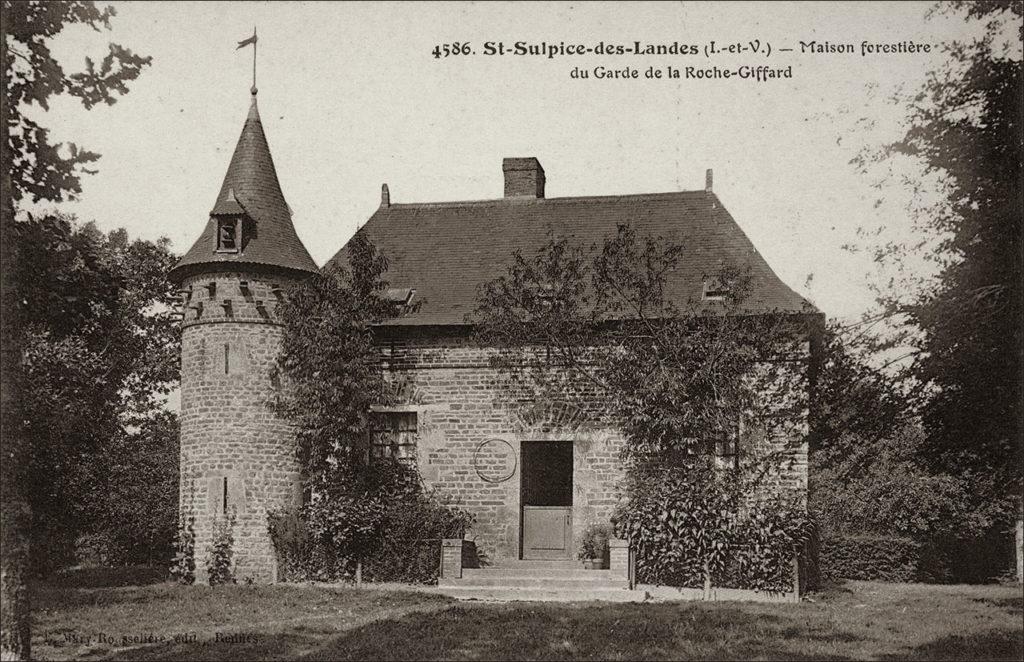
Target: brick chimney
524,177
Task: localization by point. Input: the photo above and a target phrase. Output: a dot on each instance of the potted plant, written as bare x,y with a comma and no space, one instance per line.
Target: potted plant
594,546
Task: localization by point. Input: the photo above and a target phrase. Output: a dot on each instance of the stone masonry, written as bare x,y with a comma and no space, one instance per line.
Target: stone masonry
237,456
471,428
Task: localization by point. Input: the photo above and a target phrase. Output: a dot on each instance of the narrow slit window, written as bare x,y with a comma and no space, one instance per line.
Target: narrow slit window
227,358
224,500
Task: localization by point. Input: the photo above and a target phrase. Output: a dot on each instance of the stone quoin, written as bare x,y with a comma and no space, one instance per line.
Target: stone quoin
534,474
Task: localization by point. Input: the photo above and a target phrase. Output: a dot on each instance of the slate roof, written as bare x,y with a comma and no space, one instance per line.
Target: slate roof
446,250
250,187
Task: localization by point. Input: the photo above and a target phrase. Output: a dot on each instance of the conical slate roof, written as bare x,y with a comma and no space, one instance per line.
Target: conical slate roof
250,188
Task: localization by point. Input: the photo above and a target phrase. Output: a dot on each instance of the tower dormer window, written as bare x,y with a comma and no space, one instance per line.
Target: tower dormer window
229,235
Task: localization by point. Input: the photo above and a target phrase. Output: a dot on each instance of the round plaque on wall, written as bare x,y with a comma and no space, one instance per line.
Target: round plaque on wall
495,460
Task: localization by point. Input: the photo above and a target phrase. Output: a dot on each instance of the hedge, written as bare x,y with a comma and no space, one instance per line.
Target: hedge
904,559
884,558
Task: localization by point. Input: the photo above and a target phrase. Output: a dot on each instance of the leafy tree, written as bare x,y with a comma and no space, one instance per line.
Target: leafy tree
880,486
328,360
39,169
331,376
964,327
100,345
677,379
131,492
854,398
35,169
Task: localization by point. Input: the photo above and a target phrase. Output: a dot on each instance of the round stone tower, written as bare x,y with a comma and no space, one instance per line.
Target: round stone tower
238,457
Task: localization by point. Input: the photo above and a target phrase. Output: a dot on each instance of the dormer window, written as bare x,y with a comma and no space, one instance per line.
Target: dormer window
546,295
229,235
715,290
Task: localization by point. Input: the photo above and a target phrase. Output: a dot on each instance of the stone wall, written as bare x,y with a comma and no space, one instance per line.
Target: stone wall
233,446
472,424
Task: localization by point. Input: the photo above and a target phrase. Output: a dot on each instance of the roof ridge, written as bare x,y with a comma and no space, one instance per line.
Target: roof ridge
564,199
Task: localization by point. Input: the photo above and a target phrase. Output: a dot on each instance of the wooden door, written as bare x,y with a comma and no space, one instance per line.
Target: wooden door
546,498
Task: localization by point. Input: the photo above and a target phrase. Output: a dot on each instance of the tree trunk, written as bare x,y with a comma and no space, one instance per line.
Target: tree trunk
1019,536
15,634
707,581
15,638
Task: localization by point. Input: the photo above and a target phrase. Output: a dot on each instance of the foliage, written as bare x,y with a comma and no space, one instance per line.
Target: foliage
377,515
220,553
35,169
771,531
885,558
863,486
373,514
853,397
183,564
328,361
963,327
132,499
678,378
100,348
871,476
39,169
896,558
676,375
695,526
594,542
297,558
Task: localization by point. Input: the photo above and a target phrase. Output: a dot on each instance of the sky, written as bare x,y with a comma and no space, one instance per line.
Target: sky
351,96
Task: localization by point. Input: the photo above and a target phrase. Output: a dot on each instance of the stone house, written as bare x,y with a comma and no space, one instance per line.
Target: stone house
534,474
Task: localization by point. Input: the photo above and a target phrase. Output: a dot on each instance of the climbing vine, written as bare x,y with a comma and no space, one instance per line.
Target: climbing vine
710,395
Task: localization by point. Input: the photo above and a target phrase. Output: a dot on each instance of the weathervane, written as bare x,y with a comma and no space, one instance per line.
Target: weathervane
246,42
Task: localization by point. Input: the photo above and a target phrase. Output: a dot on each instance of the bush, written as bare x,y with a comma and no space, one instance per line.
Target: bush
378,516
594,542
882,558
295,562
768,536
219,560
183,565
694,527
134,502
913,559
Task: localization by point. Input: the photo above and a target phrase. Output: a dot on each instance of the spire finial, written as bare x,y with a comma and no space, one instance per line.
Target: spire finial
246,42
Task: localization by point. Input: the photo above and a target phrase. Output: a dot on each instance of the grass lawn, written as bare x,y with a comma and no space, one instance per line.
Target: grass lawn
86,616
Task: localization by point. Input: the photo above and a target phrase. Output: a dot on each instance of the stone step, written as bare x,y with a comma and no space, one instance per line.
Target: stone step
531,571
566,583
496,594
542,563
